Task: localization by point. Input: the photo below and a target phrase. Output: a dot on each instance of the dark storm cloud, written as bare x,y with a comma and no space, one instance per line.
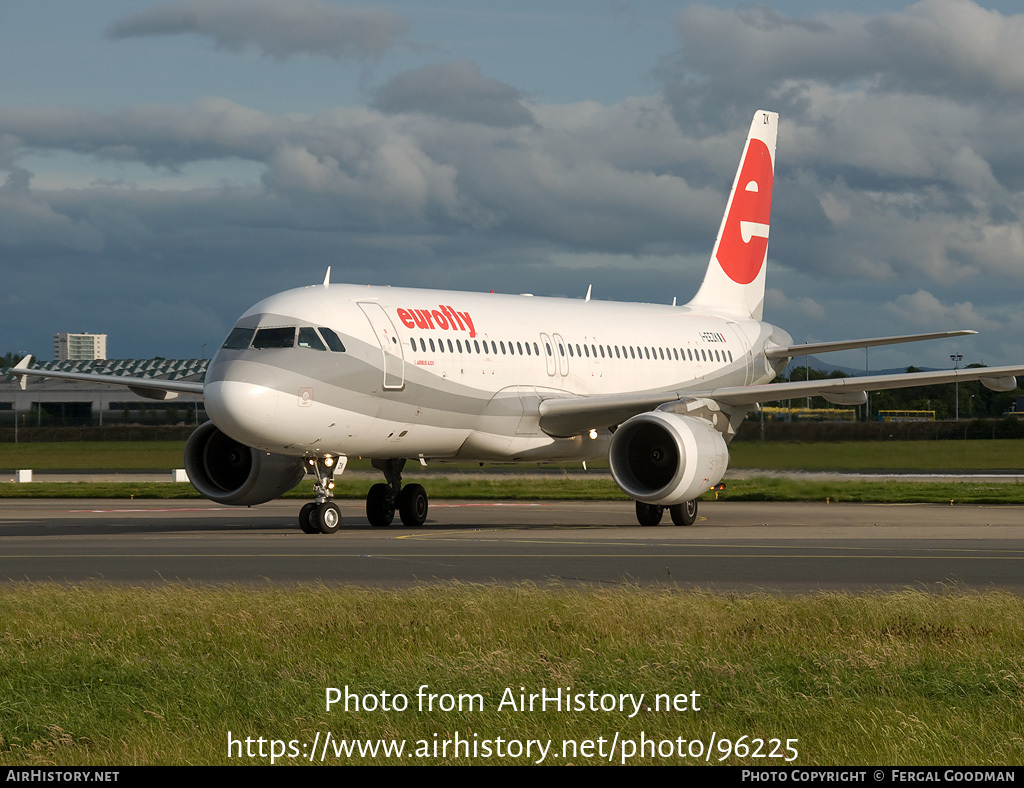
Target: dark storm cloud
457,91
899,145
585,180
29,222
898,199
166,136
278,29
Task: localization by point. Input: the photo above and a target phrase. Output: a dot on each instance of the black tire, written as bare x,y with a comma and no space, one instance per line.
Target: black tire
327,518
648,514
380,506
306,519
684,513
412,505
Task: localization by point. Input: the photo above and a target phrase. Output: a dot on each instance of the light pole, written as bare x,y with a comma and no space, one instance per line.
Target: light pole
867,396
956,358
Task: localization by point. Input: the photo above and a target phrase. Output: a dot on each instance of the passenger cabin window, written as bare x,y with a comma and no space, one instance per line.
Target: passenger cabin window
267,338
308,338
239,338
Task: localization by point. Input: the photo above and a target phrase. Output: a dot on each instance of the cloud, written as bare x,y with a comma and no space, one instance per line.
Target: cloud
893,186
898,156
457,91
733,59
169,136
584,181
782,306
923,309
29,222
278,29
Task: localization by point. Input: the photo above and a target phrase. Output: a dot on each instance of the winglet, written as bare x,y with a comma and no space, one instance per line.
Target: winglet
23,364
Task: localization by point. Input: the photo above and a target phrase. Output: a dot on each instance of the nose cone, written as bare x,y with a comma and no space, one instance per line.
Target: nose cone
242,401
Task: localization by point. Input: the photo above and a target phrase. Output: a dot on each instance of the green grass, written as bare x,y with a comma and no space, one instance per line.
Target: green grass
952,455
557,488
95,675
94,455
919,456
846,456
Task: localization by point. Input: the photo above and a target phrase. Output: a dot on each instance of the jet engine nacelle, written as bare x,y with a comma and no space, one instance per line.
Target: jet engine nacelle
667,459
226,471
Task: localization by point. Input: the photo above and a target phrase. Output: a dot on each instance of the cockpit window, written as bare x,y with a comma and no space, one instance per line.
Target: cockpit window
332,340
239,338
274,337
308,338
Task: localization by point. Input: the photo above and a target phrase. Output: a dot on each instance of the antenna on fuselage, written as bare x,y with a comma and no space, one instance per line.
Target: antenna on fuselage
327,277
673,300
589,288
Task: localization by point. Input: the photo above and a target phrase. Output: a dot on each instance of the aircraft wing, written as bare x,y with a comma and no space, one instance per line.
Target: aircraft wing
995,378
152,388
851,344
564,417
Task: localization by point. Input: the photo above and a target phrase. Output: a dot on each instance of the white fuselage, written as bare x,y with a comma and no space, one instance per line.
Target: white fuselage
442,374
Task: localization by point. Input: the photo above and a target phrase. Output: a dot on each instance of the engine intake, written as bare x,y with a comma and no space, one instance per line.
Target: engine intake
667,459
226,471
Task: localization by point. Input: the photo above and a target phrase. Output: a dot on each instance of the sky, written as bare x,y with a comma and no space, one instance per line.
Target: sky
165,165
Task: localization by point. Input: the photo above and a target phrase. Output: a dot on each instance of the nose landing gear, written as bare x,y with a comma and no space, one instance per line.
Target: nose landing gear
323,516
382,502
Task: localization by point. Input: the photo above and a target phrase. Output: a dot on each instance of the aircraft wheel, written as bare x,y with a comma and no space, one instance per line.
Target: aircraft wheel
380,506
648,513
412,506
327,518
306,519
684,513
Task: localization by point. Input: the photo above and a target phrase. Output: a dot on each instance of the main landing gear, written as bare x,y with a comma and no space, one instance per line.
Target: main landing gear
682,513
383,499
323,516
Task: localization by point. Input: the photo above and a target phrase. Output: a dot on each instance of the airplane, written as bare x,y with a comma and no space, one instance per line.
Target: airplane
311,377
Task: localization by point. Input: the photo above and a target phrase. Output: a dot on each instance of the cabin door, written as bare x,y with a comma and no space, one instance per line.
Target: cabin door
390,345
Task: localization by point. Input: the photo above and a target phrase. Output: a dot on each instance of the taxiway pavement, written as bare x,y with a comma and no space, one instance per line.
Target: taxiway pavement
776,547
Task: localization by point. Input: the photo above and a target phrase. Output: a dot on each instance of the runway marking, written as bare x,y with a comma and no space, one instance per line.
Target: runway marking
453,536
554,556
169,509
469,505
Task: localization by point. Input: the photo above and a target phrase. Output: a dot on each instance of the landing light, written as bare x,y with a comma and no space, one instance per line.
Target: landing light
593,435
